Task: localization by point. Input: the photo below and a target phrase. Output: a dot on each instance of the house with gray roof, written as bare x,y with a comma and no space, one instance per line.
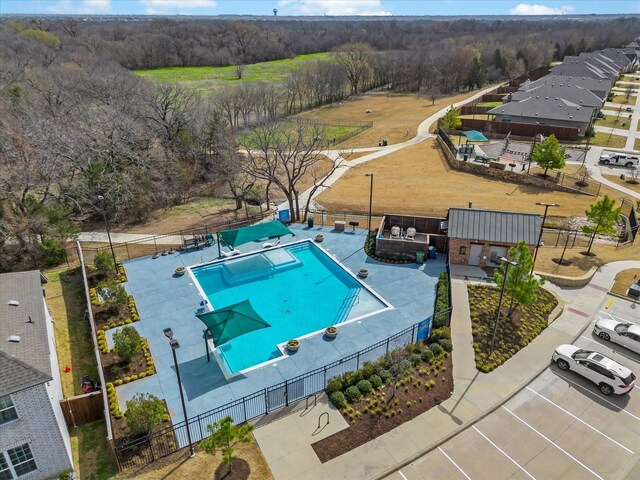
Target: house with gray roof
481,237
546,111
34,440
572,93
597,86
575,67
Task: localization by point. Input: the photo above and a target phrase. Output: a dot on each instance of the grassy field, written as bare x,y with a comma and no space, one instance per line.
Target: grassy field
636,144
92,458
624,279
65,298
489,104
623,183
417,180
209,78
614,122
622,99
604,139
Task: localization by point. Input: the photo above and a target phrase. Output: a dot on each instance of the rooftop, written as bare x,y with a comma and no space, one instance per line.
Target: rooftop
571,93
545,108
494,225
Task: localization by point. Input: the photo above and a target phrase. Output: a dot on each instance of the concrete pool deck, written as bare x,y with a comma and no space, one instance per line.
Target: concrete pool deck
167,301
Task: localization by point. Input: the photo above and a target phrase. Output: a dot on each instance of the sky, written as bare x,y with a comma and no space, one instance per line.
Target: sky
320,7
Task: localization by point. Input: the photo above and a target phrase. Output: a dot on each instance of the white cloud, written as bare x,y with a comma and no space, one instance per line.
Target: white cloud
159,7
532,9
332,7
80,7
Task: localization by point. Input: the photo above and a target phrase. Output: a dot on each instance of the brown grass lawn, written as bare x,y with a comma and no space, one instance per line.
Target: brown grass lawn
202,465
622,99
624,279
418,180
636,144
605,139
624,183
391,115
581,263
65,298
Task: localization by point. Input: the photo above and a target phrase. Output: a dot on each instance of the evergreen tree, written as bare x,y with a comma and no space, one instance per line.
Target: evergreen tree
223,436
604,215
451,119
549,154
476,75
498,59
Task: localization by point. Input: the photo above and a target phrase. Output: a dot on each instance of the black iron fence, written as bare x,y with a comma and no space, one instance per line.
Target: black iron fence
145,450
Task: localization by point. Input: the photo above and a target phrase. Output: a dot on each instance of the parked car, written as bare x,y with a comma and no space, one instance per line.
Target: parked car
622,333
619,159
609,375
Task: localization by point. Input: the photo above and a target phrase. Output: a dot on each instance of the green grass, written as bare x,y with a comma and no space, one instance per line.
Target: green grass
210,78
196,206
613,121
330,132
91,456
489,104
604,139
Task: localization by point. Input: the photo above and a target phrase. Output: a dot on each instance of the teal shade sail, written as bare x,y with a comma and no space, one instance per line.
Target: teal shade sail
475,136
255,232
230,322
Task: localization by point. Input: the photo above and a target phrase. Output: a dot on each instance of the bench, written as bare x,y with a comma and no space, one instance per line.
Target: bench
482,159
190,242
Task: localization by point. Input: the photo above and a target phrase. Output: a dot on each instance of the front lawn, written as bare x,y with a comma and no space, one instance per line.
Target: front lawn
526,324
621,122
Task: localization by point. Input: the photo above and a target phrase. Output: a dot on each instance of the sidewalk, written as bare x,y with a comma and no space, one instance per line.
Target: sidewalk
475,394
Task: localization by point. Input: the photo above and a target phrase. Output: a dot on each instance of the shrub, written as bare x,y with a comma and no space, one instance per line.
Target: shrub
334,385
415,359
338,399
446,345
144,412
427,355
364,386
166,418
127,343
436,349
113,294
385,376
118,382
353,394
368,369
435,335
103,261
375,381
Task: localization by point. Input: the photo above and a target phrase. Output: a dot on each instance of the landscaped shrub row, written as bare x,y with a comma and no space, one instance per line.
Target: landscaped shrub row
370,250
442,301
525,324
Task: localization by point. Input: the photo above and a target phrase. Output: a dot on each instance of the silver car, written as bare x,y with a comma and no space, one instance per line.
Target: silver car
622,333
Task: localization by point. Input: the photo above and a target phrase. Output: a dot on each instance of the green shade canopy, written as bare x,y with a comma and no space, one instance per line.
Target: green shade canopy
230,322
255,232
475,136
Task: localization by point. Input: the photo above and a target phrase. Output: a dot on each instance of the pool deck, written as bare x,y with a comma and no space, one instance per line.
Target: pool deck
167,301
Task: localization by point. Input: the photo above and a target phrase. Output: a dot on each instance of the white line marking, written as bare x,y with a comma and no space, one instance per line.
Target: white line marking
603,399
455,464
554,444
402,475
581,421
504,453
612,350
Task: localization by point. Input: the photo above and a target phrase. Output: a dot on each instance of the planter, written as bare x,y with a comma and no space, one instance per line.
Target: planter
363,273
180,271
293,345
331,332
319,238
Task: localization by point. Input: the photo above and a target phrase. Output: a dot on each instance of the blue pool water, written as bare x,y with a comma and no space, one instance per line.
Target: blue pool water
297,289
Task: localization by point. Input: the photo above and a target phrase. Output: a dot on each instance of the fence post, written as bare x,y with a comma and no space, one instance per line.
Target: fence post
286,392
387,346
413,333
126,245
325,376
266,401
358,361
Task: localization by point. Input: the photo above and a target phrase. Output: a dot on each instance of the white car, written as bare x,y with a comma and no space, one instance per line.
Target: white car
610,376
623,333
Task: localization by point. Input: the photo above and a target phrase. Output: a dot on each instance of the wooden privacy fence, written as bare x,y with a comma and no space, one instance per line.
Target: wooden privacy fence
82,409
522,129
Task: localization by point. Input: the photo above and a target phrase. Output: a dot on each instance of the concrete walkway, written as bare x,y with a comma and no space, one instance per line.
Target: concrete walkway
475,394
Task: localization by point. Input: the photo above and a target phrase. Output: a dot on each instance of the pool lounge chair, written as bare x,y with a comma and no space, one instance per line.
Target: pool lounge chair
209,239
231,253
271,244
411,233
395,231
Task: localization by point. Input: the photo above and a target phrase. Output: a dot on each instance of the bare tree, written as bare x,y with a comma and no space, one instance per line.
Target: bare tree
355,59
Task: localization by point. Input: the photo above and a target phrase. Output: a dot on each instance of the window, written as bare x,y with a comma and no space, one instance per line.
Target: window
463,250
16,462
8,412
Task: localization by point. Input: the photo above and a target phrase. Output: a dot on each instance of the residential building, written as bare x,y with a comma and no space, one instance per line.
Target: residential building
572,93
34,440
597,86
481,237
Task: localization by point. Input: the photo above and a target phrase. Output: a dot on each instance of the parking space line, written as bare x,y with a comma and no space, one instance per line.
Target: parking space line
504,453
402,475
454,464
599,397
554,444
617,352
581,421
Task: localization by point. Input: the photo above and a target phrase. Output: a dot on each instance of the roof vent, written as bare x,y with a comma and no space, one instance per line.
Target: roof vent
570,116
556,99
13,303
14,338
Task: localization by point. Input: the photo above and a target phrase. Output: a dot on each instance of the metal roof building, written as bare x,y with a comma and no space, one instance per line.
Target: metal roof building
494,226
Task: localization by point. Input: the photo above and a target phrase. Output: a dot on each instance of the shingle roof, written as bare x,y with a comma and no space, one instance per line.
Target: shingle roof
591,84
571,93
27,362
548,109
582,69
494,225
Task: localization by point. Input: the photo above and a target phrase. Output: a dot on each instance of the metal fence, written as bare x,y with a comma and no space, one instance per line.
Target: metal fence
145,450
357,127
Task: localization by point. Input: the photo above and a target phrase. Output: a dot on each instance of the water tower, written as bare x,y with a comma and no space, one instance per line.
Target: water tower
275,12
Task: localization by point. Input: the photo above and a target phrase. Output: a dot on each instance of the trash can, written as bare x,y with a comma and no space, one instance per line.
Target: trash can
432,253
622,177
310,221
419,256
384,142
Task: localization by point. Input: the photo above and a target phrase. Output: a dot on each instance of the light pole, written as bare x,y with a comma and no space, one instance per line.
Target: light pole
370,200
544,217
504,283
106,224
533,146
174,346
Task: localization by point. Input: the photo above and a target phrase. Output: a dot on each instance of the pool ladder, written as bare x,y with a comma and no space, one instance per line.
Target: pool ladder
347,303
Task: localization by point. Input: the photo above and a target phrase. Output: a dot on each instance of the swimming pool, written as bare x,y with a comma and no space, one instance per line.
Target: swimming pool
298,289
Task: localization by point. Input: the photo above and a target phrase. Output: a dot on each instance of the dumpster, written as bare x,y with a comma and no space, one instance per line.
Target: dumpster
419,256
432,253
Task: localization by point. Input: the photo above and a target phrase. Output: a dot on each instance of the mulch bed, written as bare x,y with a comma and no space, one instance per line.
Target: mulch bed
525,324
239,470
409,402
111,360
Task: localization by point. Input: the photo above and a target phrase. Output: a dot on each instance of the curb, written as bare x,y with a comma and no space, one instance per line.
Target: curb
628,299
473,421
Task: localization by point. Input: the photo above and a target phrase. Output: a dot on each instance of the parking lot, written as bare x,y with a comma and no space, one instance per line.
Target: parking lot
558,427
